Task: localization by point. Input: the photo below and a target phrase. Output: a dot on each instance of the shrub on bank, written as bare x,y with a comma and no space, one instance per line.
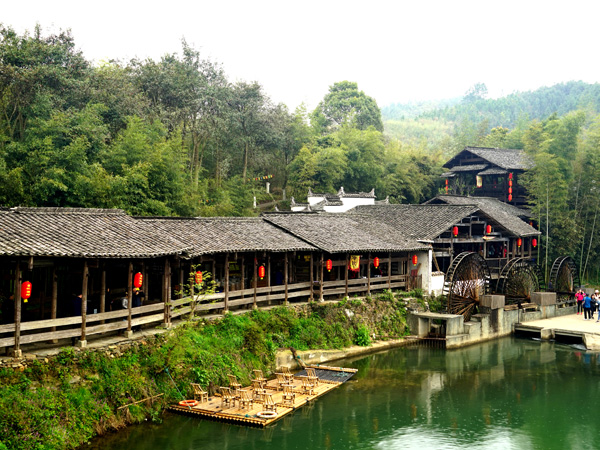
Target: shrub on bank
83,393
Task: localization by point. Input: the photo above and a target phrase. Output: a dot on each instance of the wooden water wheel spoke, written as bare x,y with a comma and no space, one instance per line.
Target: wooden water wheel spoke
519,279
467,279
564,278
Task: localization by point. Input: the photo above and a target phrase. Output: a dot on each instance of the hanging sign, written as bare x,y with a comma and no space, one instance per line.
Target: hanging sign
354,263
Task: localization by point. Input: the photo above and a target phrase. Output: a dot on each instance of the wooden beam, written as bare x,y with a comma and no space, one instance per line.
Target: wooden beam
346,276
321,280
129,294
254,282
285,276
369,275
312,279
226,287
84,295
17,300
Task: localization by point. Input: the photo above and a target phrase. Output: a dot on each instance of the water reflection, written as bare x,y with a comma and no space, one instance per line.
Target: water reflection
503,394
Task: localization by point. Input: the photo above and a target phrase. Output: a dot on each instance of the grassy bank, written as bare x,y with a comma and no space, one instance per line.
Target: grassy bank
80,394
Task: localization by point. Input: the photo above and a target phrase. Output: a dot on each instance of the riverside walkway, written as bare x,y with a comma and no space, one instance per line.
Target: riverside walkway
569,326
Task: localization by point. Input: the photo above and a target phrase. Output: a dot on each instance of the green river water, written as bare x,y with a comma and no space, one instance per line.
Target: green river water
506,394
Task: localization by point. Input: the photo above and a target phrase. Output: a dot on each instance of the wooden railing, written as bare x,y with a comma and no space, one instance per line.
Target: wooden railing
51,330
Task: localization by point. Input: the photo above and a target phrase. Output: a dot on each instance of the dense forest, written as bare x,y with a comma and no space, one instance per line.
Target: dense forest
177,137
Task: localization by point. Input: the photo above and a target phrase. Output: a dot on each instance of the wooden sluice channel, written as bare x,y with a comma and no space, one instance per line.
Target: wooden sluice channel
254,413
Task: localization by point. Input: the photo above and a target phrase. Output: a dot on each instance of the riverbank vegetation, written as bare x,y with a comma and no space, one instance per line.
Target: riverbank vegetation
79,394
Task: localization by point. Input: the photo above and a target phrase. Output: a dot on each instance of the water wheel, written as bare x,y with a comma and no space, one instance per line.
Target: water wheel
518,280
564,278
467,280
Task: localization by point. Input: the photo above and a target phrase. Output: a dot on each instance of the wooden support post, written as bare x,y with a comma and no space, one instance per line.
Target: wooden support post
84,295
181,279
243,275
129,295
269,270
285,276
226,287
321,298
146,283
346,276
54,306
16,353
103,289
166,297
255,276
390,270
312,279
369,275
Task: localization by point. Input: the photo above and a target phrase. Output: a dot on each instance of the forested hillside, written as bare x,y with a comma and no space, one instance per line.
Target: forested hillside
177,137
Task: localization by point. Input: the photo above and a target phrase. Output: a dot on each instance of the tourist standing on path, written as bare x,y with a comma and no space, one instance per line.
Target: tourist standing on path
579,297
587,307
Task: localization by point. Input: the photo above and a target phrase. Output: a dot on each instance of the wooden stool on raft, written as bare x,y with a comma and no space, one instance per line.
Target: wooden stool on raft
245,400
199,394
307,387
258,376
234,385
258,391
227,397
312,376
289,396
269,403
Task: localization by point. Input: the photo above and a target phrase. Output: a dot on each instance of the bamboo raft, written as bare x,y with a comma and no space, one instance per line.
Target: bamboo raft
271,403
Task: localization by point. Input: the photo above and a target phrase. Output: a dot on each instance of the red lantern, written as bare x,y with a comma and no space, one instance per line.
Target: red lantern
329,265
261,272
455,230
519,242
534,242
198,277
25,290
510,197
414,260
510,190
376,262
510,176
510,183
137,280
488,229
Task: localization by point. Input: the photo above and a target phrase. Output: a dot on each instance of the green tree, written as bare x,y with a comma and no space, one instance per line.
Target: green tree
345,104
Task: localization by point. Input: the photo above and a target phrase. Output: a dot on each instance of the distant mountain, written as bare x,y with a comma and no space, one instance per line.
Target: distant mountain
429,121
504,111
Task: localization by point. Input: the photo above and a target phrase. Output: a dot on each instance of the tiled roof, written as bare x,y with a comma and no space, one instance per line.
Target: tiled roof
492,171
508,216
469,168
506,158
82,233
343,232
207,235
422,222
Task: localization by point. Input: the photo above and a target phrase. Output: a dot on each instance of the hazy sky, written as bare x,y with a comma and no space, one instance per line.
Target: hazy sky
397,51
